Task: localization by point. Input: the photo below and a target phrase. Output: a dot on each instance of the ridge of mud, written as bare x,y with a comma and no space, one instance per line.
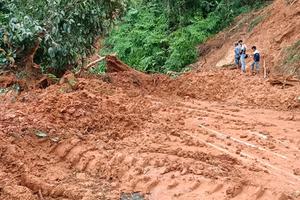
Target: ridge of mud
132,134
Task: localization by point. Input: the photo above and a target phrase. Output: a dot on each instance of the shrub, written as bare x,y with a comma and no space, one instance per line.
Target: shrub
291,60
161,36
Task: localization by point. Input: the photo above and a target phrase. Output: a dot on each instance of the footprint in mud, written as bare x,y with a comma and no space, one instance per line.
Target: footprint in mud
133,196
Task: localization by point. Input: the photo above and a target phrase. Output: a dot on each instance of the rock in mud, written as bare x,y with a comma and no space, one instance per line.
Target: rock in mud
244,135
133,196
297,171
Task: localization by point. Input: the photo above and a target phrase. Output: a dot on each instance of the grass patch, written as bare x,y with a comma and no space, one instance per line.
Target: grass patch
257,20
289,2
291,60
293,54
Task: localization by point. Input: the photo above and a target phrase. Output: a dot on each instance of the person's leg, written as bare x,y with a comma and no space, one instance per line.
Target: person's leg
236,61
252,66
243,63
257,67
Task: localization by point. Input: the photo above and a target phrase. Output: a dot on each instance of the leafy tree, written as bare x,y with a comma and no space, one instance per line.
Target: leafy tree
62,31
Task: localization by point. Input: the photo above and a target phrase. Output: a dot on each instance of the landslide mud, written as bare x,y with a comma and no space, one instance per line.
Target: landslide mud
150,137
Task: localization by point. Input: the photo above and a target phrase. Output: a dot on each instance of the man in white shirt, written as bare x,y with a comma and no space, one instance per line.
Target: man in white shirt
243,55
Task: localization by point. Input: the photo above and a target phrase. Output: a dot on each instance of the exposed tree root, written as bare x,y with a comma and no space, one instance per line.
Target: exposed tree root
284,81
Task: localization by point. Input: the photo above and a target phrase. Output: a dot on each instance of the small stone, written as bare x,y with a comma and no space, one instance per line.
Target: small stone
213,135
228,144
271,146
210,140
172,185
297,171
114,184
184,171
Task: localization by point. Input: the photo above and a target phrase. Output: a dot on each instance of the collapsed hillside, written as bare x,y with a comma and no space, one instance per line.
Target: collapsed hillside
127,133
273,30
208,134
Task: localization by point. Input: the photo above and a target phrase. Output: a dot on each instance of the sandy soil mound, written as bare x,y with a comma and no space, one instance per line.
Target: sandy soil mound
230,86
126,134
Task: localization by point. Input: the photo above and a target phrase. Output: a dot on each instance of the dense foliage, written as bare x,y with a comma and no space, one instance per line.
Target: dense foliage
154,35
161,36
66,30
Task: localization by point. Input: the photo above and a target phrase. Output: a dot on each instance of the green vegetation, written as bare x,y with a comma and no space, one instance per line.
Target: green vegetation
257,20
153,36
293,54
291,61
160,36
290,2
62,31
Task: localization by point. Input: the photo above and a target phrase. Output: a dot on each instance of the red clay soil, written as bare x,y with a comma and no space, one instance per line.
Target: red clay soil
212,134
239,90
204,135
271,29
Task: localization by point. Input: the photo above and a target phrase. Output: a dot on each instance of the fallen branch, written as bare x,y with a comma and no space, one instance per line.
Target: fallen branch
202,64
94,63
41,195
229,66
265,70
113,64
284,81
293,2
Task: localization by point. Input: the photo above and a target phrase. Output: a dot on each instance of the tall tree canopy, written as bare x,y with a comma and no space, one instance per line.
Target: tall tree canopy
66,29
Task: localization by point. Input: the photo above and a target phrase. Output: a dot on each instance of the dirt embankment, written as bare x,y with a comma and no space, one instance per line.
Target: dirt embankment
212,134
230,86
104,137
272,29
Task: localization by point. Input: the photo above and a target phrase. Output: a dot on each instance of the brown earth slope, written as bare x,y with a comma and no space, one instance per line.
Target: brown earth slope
272,30
152,135
211,134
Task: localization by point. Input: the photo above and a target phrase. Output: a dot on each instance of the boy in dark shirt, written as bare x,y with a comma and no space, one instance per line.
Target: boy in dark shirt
256,59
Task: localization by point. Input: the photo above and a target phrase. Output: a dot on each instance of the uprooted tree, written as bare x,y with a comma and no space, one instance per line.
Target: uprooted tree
52,36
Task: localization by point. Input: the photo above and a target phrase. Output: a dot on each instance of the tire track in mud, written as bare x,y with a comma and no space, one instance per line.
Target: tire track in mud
148,160
168,156
149,184
171,157
246,157
215,114
257,192
29,184
215,138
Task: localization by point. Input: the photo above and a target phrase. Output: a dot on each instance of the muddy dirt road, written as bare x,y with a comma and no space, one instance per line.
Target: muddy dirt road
103,141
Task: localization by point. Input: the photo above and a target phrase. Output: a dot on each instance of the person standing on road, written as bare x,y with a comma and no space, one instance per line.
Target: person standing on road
256,59
243,55
237,55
